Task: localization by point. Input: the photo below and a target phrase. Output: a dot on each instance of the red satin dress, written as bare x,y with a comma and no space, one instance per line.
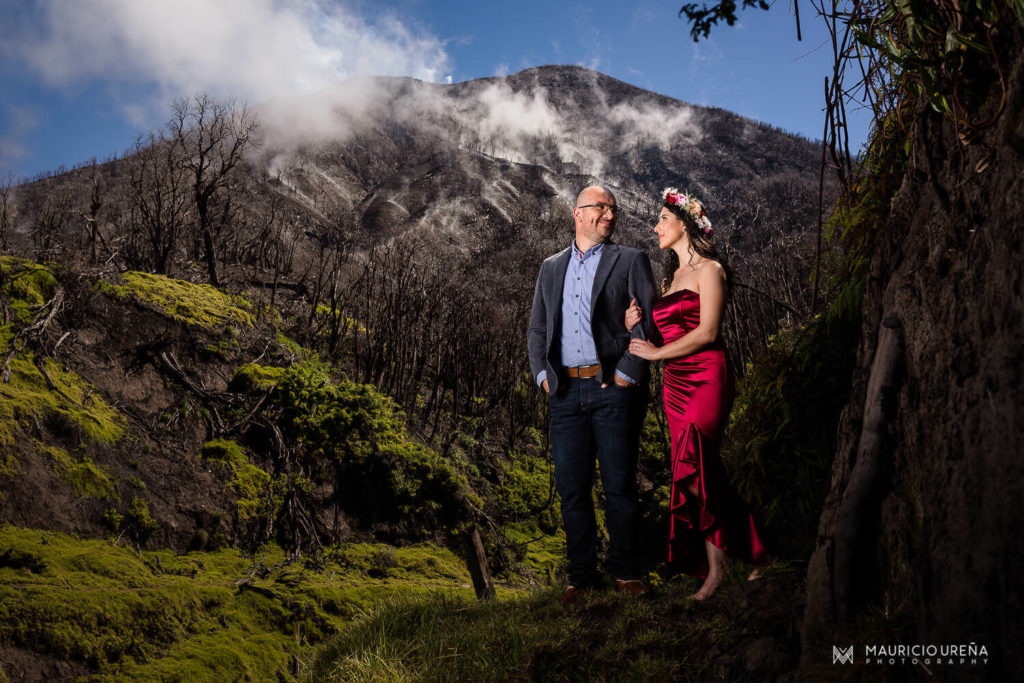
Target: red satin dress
698,393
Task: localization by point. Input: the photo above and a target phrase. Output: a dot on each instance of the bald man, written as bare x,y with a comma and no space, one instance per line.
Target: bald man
597,391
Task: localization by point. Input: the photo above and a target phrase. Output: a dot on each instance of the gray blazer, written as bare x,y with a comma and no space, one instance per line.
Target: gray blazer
623,274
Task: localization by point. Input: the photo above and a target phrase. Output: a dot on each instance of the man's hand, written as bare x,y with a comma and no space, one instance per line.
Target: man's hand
544,385
633,315
619,381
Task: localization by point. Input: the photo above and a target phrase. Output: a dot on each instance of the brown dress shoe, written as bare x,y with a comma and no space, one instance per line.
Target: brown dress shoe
632,587
571,594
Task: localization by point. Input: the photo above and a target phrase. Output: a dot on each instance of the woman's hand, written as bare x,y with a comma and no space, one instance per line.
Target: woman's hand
643,349
633,315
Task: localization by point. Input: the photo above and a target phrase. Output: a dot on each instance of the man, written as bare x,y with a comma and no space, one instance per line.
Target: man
578,340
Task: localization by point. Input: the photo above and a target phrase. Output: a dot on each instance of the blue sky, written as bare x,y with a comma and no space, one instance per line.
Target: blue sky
83,78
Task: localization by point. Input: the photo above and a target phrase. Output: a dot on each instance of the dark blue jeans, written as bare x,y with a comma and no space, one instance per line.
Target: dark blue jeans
588,423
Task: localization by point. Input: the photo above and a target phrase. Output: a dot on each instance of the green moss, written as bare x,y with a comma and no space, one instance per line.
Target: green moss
525,490
201,616
781,437
8,467
139,520
85,478
353,437
28,398
27,285
294,348
347,324
192,304
541,553
223,450
112,519
249,483
253,377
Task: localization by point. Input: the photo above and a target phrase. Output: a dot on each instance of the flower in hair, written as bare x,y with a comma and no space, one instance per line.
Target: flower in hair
692,206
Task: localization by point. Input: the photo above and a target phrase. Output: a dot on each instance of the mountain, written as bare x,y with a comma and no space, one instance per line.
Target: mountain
486,169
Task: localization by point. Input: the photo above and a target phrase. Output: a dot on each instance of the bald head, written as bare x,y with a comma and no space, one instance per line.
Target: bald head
582,197
595,214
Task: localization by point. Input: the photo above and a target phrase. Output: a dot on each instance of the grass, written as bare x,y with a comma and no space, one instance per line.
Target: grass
605,636
131,615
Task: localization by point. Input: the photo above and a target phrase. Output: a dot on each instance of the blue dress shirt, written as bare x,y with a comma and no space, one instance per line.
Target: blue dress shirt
578,347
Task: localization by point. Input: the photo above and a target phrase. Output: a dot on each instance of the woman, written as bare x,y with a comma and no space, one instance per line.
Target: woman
708,520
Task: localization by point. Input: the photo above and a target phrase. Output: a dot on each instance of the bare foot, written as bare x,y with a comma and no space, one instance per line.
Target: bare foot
716,563
711,584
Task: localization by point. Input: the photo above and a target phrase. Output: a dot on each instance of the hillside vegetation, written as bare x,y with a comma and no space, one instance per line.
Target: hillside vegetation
263,489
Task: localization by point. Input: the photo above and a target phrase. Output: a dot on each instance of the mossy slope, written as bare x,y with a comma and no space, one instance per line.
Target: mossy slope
352,439
132,615
192,304
39,388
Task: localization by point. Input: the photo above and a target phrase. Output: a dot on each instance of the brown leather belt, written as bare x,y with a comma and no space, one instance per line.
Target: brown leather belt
583,372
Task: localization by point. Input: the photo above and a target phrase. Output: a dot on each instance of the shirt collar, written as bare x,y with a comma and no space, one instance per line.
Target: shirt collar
583,256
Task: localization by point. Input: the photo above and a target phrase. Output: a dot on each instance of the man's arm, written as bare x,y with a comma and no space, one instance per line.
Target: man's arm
537,334
640,286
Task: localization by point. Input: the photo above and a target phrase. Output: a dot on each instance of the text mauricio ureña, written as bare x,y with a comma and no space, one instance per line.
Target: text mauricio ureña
969,654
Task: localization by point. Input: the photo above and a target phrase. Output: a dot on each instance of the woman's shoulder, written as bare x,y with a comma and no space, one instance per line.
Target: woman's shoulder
711,273
710,267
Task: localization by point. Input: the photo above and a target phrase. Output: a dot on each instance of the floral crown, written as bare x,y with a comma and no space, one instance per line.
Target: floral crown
692,206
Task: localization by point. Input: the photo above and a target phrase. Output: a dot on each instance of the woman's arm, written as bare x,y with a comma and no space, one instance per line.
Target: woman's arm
711,289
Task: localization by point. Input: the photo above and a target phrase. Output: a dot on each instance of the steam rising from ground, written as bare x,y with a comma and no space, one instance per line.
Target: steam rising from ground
526,126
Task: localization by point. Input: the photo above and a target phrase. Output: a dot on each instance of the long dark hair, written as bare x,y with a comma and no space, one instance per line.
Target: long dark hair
699,241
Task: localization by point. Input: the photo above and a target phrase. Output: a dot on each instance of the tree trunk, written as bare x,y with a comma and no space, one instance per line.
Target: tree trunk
211,257
476,559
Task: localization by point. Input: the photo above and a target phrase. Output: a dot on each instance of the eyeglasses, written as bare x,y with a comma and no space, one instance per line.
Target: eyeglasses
601,208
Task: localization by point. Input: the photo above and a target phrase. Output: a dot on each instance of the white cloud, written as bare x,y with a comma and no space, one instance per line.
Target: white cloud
254,50
247,47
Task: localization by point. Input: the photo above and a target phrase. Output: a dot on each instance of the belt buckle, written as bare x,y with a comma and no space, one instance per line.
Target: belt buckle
583,371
